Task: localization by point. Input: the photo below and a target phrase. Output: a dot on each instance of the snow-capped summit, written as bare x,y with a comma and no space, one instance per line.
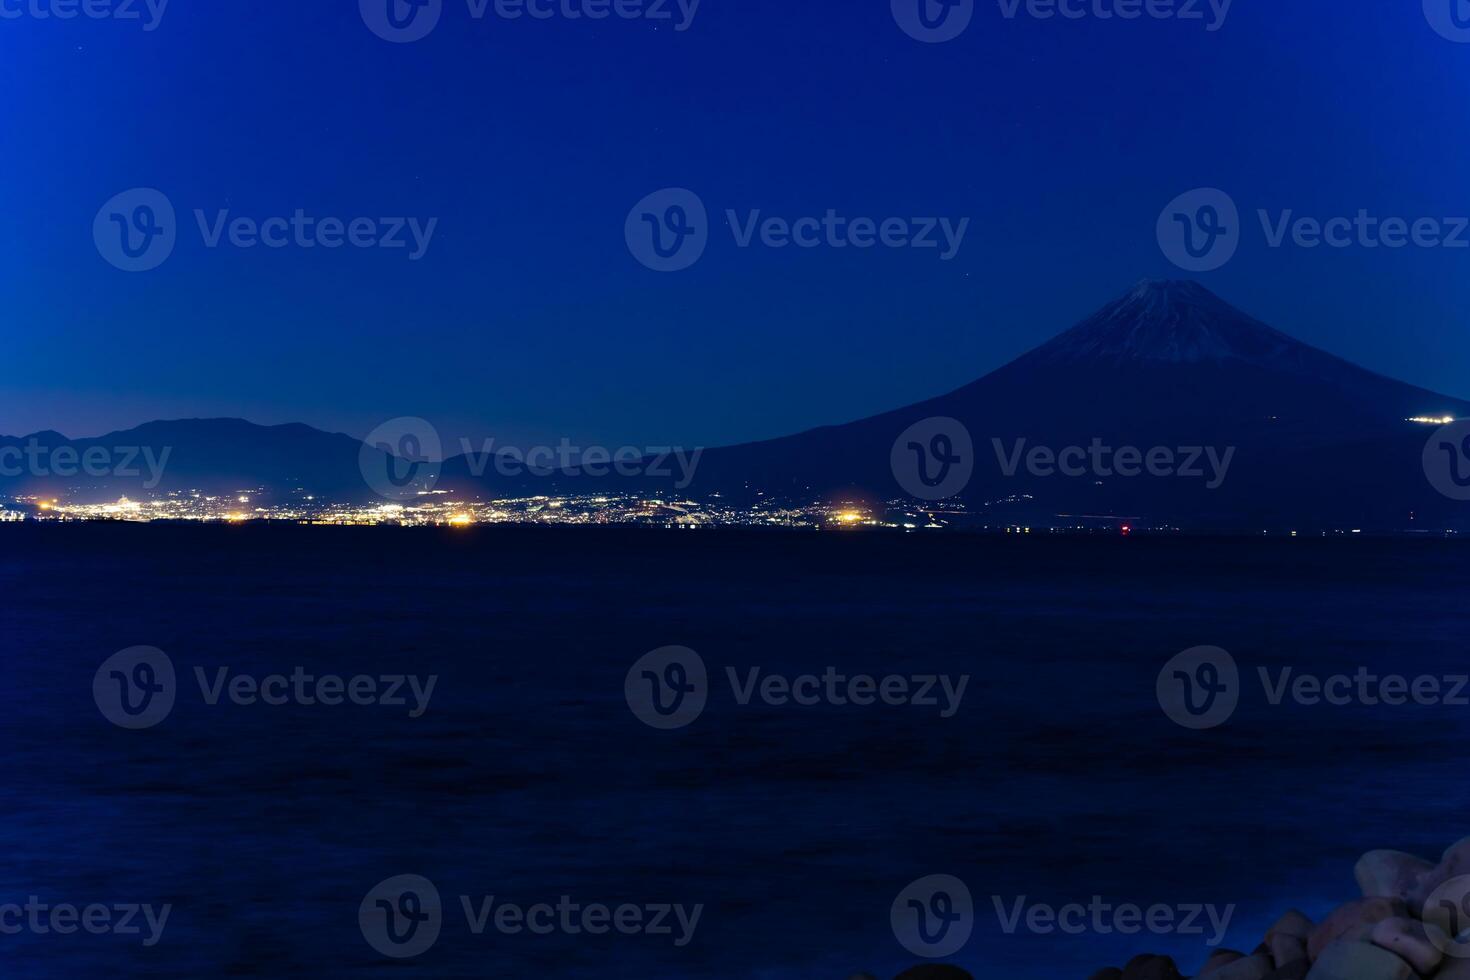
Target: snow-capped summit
1171,321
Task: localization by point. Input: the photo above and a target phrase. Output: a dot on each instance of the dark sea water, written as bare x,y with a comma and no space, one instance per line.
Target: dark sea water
796,827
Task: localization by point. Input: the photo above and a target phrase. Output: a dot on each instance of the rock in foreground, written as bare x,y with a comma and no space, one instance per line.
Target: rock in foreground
1411,923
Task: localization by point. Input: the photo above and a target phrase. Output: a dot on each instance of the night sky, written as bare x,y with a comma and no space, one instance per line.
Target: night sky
530,141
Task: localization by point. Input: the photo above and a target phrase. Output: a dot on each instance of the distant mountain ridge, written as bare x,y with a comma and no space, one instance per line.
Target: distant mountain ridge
215,456
1315,439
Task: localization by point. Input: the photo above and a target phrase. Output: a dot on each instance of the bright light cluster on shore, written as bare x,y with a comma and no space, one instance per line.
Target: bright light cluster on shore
441,509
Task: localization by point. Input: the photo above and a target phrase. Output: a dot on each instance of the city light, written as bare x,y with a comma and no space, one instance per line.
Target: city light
444,509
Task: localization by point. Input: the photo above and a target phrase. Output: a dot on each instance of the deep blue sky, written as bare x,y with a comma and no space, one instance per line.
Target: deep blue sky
530,141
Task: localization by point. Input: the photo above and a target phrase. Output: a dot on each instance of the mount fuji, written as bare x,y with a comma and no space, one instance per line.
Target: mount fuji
1314,440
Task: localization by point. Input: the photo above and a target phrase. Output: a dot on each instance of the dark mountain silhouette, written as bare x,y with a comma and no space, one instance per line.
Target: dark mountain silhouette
1317,439
1314,441
213,456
